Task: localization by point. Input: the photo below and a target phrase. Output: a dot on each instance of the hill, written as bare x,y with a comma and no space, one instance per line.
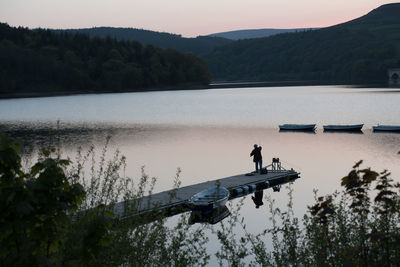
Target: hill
254,33
359,51
199,46
41,62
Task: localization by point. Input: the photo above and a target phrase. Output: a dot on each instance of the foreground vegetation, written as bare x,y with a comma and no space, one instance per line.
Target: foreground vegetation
41,61
56,212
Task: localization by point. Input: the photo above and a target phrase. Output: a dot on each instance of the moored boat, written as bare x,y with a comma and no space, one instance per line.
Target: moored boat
338,127
386,128
210,198
297,127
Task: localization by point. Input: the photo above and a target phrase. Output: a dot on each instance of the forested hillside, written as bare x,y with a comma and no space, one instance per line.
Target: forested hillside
200,45
359,52
256,33
41,61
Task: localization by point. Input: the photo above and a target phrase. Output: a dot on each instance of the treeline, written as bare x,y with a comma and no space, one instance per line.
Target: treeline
37,61
257,33
200,45
357,52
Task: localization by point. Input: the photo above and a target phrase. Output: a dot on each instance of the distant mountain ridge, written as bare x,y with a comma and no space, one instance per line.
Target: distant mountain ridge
385,14
359,51
200,45
255,33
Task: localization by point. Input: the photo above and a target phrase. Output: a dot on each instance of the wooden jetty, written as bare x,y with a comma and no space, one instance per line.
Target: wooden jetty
175,201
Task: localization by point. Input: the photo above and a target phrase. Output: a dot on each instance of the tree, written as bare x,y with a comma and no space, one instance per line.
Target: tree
35,207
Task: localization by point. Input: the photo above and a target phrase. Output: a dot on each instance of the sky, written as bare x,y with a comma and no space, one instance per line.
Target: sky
190,18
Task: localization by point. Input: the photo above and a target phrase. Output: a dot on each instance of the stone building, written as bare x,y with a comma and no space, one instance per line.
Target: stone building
394,77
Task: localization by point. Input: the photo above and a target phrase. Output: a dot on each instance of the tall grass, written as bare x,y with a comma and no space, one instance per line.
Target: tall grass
135,241
345,228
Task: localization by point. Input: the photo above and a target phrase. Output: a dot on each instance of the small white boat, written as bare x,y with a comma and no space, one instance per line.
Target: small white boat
297,127
352,127
386,128
210,198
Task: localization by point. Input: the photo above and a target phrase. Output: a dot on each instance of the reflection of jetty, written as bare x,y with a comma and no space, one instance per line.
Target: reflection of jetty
175,201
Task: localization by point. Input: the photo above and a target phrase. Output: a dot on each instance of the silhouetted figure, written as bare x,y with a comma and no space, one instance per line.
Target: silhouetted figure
257,158
257,199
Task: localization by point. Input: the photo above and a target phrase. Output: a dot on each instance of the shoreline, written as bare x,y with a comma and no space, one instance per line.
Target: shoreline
94,92
215,85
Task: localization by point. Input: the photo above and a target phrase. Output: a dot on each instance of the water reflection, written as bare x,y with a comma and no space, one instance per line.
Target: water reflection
210,153
228,107
386,132
211,216
344,131
215,215
298,131
258,198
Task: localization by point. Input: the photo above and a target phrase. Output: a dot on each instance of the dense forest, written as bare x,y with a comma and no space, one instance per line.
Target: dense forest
256,33
358,52
43,62
200,45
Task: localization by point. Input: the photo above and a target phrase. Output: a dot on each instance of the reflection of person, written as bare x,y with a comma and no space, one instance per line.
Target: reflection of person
257,199
257,158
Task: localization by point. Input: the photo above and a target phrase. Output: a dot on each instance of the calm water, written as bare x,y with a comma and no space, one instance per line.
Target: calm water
210,133
263,107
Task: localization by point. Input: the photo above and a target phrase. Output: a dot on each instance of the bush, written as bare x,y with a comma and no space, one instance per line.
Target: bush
54,215
345,228
35,207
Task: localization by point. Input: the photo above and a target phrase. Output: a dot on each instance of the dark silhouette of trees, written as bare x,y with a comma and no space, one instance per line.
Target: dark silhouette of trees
359,51
35,61
200,45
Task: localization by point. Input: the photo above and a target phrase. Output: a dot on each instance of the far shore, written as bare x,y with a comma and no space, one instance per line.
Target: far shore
10,95
213,85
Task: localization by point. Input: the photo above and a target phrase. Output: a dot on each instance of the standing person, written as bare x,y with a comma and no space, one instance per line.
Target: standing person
257,158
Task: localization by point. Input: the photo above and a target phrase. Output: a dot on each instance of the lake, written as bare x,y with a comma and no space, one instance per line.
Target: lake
262,107
210,133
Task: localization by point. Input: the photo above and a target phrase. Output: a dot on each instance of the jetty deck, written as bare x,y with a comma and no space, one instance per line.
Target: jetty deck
175,201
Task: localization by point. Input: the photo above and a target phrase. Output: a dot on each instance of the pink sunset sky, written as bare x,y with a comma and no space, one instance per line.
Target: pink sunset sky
189,18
